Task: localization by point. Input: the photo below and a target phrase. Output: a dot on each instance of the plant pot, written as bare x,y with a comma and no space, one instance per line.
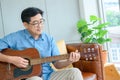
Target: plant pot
104,56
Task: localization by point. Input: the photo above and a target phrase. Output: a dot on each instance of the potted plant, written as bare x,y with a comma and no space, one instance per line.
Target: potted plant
93,31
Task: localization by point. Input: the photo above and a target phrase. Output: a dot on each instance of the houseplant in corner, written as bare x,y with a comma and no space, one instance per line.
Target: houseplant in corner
93,31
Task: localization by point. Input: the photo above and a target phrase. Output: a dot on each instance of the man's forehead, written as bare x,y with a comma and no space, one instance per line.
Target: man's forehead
35,18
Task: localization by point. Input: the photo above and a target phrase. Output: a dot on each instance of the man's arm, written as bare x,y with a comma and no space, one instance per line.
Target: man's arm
16,60
74,57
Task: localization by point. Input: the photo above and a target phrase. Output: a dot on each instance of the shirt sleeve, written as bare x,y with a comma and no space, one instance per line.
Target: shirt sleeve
3,44
55,50
6,42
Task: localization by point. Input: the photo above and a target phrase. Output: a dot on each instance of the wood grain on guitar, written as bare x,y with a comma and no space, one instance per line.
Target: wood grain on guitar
11,72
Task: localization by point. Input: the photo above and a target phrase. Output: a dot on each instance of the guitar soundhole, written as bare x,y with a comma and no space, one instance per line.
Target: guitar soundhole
19,71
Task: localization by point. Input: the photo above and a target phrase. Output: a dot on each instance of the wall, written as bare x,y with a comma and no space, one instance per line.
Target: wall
1,23
61,16
11,13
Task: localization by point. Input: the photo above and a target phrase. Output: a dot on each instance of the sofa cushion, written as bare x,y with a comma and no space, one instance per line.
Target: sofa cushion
89,76
62,47
63,50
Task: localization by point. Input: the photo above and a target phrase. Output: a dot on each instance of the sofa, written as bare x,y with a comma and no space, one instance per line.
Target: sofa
90,63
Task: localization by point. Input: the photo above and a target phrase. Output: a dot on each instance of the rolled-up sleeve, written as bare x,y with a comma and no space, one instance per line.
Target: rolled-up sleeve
3,44
55,50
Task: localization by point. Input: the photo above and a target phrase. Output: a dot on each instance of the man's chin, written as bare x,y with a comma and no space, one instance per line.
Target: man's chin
39,33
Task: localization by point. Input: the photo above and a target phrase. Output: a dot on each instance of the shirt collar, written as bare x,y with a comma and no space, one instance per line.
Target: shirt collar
28,35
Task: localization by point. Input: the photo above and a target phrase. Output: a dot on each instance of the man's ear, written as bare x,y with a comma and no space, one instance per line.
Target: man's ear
25,24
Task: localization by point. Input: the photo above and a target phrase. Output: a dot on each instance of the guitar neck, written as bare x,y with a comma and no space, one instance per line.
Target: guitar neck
48,59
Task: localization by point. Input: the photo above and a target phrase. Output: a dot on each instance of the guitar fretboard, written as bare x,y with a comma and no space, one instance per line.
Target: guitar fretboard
48,59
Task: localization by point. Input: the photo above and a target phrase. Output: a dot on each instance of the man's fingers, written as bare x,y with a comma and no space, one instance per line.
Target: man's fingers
76,50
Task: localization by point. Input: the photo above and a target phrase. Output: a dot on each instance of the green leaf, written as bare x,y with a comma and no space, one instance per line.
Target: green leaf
87,33
94,18
100,26
94,40
101,33
82,39
87,40
108,40
81,23
101,40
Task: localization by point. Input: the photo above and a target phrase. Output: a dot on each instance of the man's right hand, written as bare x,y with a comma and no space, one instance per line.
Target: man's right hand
18,61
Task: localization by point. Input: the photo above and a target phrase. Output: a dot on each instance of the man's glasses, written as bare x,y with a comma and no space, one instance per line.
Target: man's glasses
37,23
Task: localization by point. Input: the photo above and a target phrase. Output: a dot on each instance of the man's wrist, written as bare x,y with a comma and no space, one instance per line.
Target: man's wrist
70,62
9,60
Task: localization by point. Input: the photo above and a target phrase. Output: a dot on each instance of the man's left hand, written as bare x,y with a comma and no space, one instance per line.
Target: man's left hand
74,56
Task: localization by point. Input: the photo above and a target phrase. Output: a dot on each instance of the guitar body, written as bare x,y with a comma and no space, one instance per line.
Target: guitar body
11,72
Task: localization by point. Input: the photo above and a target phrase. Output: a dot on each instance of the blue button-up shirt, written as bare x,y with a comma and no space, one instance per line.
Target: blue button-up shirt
22,39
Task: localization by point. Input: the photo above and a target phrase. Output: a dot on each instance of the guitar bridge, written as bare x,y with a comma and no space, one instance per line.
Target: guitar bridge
9,67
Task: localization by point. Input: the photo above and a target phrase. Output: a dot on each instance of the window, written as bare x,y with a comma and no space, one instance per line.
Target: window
112,14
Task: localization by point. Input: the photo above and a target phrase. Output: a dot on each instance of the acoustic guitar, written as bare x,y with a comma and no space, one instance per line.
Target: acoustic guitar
10,72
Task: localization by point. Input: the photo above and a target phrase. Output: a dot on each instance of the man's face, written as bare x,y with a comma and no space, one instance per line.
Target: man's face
35,26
